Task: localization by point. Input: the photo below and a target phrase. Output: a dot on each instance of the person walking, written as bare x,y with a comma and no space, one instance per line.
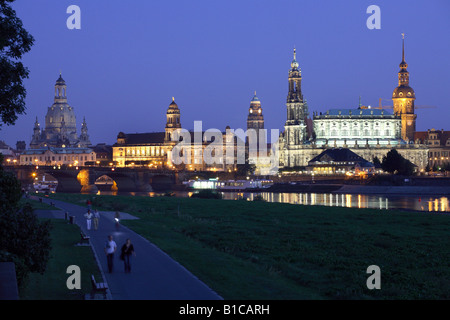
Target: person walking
117,219
96,218
89,204
127,251
110,249
89,217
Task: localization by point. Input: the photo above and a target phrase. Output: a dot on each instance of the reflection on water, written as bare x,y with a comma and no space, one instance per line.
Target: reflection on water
327,199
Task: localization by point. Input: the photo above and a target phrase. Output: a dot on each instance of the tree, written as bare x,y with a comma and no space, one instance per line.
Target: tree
376,161
15,41
24,239
245,169
393,162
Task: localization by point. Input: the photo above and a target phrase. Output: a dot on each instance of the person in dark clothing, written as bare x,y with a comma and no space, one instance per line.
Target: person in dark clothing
127,251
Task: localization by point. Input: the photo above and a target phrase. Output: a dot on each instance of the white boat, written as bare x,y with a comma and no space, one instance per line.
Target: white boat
229,184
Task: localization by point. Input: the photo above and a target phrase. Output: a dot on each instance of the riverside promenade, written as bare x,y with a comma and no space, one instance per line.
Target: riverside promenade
154,274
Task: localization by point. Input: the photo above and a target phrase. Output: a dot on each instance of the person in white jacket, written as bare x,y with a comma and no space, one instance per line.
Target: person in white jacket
89,217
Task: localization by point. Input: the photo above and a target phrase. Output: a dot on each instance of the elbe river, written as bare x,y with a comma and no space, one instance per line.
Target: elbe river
383,202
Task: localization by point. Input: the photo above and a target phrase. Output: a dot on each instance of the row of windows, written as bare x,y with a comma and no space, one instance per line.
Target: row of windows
334,124
60,158
438,154
365,133
143,151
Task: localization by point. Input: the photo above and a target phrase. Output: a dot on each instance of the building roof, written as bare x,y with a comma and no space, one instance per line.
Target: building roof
357,112
422,136
338,155
57,150
102,147
143,138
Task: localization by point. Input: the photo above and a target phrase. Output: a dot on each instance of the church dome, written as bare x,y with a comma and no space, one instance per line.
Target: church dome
294,63
59,113
60,81
173,105
255,100
403,92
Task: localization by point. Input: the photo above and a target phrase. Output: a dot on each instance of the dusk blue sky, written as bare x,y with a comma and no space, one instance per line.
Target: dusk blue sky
130,57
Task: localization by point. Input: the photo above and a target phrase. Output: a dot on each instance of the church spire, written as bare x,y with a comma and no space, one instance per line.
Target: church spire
403,98
294,63
403,47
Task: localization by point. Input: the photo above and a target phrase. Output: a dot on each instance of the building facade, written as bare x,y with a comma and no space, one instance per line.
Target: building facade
438,142
357,127
51,156
154,149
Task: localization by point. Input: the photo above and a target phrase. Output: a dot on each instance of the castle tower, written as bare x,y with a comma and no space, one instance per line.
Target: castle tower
255,119
403,98
173,120
297,110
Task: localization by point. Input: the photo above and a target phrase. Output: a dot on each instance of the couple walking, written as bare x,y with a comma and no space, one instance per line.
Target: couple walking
89,217
125,255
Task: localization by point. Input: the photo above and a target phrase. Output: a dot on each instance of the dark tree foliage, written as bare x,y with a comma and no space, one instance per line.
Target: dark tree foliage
376,161
14,42
393,162
245,169
24,239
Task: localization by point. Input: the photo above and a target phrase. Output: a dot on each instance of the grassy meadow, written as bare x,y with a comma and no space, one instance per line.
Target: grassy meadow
259,250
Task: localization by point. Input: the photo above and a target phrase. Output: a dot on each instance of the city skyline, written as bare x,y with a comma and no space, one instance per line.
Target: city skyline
213,72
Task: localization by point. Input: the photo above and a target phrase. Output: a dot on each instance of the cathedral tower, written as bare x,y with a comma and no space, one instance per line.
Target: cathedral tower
403,98
255,119
173,120
297,109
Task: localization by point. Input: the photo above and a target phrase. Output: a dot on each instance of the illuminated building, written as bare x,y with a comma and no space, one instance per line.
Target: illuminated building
154,149
51,156
365,131
60,124
403,98
438,142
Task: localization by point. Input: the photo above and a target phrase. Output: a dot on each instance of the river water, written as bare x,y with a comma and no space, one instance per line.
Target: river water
384,202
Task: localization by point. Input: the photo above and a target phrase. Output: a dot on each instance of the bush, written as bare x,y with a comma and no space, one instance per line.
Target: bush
258,198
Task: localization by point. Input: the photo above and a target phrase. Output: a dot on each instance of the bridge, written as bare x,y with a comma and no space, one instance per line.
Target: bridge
83,179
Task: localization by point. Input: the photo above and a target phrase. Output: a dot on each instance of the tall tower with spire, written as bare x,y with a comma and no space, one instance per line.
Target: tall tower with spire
35,139
173,120
255,119
403,98
297,109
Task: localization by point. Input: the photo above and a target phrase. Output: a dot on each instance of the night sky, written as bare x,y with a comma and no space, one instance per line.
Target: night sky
130,57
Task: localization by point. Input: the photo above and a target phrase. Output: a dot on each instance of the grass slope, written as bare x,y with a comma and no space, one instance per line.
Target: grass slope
52,284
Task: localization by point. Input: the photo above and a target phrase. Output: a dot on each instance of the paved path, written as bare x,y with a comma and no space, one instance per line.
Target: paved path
154,275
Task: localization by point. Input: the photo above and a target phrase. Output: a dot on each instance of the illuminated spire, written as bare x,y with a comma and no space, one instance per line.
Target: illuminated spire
403,47
294,63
